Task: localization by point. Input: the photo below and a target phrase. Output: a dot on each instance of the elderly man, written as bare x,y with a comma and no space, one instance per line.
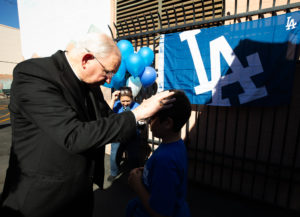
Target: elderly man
60,126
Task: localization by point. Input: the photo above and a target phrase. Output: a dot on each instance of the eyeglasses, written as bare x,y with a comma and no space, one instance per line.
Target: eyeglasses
107,72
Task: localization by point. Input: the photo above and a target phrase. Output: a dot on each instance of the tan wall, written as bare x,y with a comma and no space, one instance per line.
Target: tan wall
10,53
113,6
253,6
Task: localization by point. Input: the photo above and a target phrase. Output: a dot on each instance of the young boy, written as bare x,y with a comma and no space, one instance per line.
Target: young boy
161,184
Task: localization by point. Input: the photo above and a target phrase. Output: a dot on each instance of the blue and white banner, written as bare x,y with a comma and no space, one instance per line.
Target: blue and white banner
249,63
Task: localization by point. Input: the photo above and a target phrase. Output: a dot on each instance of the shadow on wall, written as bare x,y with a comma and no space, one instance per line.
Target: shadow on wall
252,149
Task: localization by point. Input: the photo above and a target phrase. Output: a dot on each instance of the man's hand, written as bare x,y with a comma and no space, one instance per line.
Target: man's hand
152,105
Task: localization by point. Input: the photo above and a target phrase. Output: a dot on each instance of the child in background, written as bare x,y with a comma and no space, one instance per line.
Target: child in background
161,184
122,100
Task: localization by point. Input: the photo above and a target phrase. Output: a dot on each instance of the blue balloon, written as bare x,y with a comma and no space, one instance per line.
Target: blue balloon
118,80
125,48
118,84
147,54
135,64
148,77
108,85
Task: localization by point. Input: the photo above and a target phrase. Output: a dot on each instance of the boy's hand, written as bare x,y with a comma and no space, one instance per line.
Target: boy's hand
135,177
115,95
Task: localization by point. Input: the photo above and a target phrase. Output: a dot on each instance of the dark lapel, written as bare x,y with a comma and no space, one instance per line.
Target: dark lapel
99,102
74,90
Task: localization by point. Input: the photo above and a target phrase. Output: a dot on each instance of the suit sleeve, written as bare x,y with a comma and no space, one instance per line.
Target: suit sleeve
41,101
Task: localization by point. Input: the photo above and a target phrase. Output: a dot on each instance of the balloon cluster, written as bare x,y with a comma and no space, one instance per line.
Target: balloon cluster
137,64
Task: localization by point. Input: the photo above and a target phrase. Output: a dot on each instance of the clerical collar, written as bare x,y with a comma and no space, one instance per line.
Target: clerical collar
71,65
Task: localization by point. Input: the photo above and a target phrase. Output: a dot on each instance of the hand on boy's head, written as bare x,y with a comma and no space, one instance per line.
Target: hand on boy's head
167,103
152,105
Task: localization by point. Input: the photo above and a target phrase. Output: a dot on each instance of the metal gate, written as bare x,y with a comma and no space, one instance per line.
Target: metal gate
250,151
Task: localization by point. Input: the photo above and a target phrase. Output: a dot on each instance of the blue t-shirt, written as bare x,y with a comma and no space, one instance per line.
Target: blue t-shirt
118,108
165,178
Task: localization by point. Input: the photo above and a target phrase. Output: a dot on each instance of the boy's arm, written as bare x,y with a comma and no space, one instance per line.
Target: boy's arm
114,98
135,182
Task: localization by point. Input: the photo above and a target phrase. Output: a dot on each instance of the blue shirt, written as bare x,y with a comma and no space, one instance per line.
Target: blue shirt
118,108
165,178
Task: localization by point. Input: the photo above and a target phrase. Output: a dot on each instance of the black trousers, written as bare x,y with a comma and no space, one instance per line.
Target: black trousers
134,153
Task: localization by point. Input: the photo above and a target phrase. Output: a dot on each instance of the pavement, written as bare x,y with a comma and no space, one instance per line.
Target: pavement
111,202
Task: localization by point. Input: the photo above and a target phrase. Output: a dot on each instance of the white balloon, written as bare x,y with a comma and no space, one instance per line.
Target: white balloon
135,84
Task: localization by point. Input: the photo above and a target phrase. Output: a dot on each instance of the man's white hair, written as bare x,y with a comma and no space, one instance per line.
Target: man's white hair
99,44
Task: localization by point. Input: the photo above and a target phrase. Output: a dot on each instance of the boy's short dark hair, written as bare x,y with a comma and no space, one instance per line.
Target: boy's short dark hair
180,112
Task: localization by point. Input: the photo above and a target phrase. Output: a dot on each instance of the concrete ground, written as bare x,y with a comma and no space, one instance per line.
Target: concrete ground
111,202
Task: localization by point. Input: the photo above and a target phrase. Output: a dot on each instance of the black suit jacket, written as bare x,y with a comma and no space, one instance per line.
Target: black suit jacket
58,140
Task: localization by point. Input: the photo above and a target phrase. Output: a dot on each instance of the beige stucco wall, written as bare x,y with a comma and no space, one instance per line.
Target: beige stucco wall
107,91
10,53
253,6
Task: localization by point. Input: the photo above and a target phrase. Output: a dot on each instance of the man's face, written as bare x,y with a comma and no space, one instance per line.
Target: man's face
98,70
